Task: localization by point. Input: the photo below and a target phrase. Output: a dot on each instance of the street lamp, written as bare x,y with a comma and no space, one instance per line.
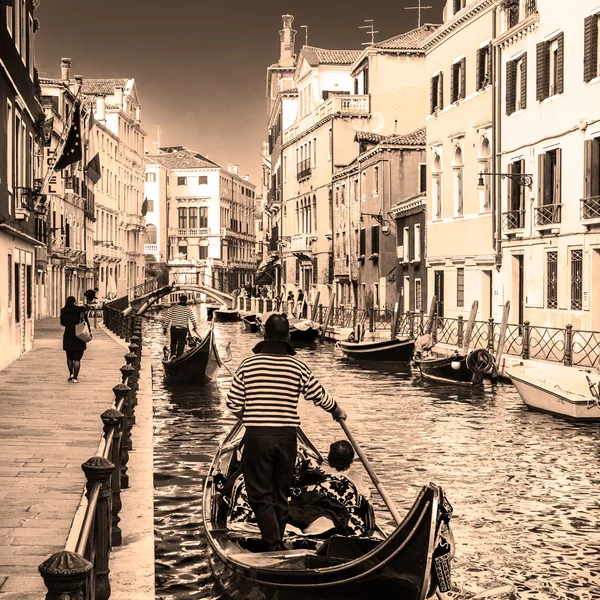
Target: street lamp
523,179
385,225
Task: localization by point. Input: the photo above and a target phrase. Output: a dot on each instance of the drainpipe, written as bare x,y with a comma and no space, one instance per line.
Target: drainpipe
496,143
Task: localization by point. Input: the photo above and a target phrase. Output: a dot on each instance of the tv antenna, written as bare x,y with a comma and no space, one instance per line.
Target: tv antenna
306,38
371,32
419,7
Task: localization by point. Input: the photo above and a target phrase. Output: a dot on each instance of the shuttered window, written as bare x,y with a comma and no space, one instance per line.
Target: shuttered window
511,74
552,279
590,48
362,242
297,270
549,177
375,239
522,68
458,81
460,287
592,168
437,94
550,67
484,66
516,84
542,71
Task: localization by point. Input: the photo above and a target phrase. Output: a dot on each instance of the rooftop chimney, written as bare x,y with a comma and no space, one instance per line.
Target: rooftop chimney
246,177
287,37
230,168
78,83
235,169
100,108
65,69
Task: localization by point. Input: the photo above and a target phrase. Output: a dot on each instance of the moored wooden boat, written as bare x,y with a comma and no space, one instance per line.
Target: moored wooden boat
197,365
226,315
396,350
398,565
210,309
250,323
304,330
565,391
451,369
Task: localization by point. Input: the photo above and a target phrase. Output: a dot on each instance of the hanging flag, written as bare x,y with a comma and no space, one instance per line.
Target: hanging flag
144,207
48,128
72,151
93,168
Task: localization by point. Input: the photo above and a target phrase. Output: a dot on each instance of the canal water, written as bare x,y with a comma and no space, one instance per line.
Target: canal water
524,485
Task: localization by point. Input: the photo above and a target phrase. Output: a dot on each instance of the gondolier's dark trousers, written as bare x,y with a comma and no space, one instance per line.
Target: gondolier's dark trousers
178,338
268,465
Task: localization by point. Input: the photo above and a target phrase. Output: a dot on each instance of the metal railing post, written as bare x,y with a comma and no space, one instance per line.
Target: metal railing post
490,344
98,471
526,342
411,324
434,327
371,319
460,331
65,573
568,356
113,420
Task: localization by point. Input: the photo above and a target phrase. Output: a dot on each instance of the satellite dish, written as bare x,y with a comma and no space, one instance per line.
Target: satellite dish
376,122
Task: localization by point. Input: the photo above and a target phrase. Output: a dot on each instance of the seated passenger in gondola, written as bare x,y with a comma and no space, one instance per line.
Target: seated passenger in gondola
339,462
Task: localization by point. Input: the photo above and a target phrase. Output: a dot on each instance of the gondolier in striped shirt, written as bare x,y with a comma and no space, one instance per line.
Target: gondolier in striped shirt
179,317
264,394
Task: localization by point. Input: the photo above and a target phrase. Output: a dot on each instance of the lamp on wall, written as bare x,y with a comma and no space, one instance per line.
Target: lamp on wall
523,179
385,225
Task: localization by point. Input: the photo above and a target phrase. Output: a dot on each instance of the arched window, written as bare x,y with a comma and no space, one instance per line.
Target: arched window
151,235
314,214
436,175
457,168
484,165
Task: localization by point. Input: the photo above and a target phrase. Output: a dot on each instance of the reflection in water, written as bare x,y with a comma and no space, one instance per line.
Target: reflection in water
524,485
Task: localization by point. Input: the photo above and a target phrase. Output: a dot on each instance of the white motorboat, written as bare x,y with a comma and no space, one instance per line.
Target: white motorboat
566,391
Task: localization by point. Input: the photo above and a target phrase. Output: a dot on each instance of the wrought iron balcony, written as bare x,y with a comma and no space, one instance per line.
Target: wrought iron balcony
304,169
590,208
194,232
547,214
514,219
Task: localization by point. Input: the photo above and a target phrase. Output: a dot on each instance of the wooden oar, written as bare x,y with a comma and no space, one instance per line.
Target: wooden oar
469,329
327,317
431,316
365,461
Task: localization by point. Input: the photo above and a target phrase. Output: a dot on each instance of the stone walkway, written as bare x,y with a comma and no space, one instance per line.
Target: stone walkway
48,428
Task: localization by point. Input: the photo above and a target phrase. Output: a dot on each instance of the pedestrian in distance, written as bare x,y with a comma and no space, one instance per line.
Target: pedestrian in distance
179,317
70,315
91,296
264,394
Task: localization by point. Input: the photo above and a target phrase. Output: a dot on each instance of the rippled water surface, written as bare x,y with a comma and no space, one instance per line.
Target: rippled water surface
524,485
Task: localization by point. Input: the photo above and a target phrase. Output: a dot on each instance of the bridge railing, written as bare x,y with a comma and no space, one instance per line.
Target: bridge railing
148,287
200,279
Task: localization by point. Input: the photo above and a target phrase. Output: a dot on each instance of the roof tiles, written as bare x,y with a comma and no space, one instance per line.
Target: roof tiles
414,138
182,159
411,40
321,56
102,87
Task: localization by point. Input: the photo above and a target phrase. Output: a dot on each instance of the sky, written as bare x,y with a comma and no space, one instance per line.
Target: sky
200,65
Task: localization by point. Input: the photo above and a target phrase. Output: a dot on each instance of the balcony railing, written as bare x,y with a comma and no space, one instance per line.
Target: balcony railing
530,7
343,105
302,242
590,208
514,219
547,214
150,248
196,232
304,169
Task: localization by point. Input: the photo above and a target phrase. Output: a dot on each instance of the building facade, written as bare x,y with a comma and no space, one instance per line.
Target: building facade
118,138
155,194
461,253
21,208
549,86
209,217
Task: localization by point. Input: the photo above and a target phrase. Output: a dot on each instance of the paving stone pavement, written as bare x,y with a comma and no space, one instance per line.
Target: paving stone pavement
48,428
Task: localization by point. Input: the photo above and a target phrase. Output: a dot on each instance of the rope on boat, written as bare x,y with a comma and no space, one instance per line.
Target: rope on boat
480,361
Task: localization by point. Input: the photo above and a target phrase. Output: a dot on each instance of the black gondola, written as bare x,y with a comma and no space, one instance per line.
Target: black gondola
197,365
210,309
250,323
396,350
304,331
457,368
226,315
398,565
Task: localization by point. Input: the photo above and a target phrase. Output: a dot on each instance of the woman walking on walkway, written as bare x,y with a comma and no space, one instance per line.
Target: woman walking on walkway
70,315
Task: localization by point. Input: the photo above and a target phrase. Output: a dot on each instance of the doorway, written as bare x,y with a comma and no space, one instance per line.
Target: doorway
438,287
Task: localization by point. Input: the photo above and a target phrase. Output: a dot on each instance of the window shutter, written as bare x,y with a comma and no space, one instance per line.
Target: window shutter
560,64
315,266
509,195
375,239
541,178
542,71
431,98
453,94
478,69
362,242
587,168
557,189
297,270
523,81
590,55
510,87
441,90
489,62
463,78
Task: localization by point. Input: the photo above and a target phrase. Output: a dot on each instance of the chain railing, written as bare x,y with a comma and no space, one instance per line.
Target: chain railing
84,571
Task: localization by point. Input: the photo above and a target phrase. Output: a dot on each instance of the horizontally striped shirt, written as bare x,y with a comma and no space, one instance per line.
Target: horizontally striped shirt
179,315
266,389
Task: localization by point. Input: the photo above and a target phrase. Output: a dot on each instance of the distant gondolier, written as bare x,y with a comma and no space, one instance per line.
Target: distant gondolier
179,317
264,395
